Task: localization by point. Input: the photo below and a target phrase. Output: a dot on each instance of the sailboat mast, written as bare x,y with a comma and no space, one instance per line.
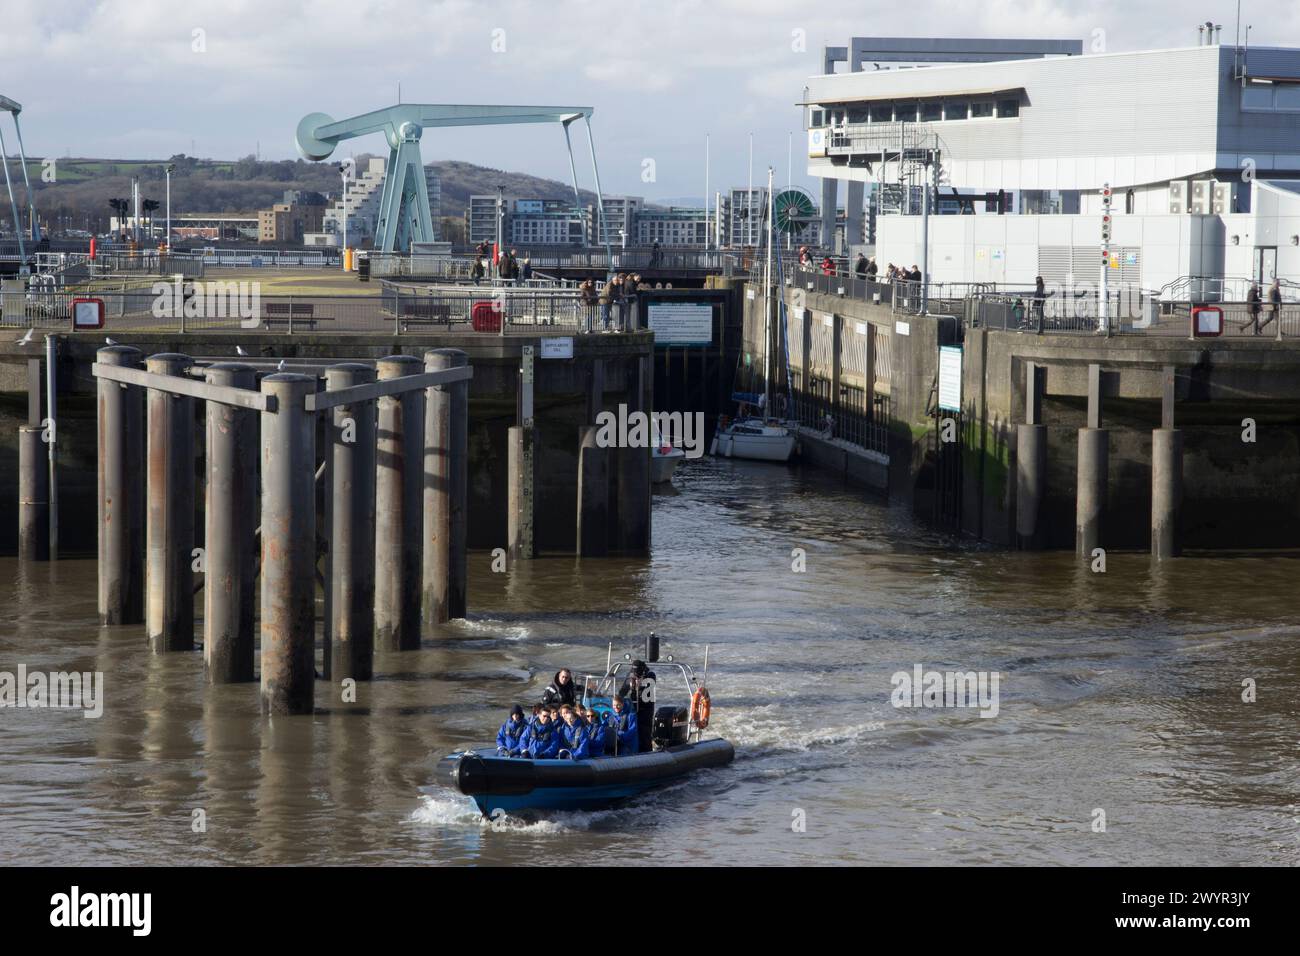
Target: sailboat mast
767,307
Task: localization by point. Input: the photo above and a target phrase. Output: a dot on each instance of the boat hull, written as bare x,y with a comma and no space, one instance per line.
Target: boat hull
776,447
517,783
663,466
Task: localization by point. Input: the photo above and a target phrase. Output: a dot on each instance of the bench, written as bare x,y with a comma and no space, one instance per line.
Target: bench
289,313
424,313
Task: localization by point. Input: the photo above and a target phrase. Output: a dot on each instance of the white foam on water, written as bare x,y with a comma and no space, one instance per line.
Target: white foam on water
776,727
448,811
488,627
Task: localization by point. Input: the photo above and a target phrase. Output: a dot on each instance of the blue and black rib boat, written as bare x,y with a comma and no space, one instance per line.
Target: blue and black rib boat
495,781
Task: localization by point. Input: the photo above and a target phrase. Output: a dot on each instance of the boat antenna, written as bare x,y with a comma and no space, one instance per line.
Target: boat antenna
609,656
704,678
767,306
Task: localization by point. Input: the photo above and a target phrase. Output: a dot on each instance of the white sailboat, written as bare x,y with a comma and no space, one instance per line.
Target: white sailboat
759,437
664,458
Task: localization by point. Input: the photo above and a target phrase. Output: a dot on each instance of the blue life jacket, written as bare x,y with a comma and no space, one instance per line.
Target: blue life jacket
575,739
510,736
596,730
624,727
542,741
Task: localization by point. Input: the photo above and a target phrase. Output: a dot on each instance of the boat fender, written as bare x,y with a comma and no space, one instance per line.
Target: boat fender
700,708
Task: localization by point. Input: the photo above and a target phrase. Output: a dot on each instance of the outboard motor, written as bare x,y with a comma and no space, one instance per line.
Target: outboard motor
670,726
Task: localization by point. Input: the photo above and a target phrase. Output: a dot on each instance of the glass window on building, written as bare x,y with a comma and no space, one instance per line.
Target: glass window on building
931,111
956,110
905,112
881,112
1286,97
981,109
1008,108
857,114
1257,96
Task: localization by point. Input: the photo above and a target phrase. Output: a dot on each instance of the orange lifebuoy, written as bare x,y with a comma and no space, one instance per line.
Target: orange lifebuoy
700,708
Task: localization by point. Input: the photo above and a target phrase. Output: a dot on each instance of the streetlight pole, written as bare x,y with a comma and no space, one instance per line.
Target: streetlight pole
343,253
167,239
501,202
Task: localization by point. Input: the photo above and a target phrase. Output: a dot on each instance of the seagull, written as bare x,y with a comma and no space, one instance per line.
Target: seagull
239,350
27,336
108,341
281,367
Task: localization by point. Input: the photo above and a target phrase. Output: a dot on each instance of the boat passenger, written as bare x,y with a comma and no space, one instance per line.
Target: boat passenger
639,688
512,732
542,740
574,739
532,718
561,690
623,730
597,731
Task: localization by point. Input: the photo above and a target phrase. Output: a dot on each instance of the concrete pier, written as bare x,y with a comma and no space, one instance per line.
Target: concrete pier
33,495
593,496
230,517
519,464
398,487
1031,484
446,491
632,475
120,484
288,547
1166,492
1094,464
169,530
1031,464
1167,474
350,628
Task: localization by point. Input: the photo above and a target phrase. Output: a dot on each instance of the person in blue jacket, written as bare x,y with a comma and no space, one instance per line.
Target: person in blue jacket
510,736
542,739
596,730
622,728
573,735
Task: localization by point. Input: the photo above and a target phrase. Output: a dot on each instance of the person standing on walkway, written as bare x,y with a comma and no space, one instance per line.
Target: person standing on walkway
1254,304
1040,297
1274,305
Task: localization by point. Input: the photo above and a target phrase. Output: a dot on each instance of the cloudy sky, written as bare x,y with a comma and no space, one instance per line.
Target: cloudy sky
149,78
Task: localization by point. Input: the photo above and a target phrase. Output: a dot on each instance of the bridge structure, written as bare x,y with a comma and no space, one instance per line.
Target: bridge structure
13,109
404,205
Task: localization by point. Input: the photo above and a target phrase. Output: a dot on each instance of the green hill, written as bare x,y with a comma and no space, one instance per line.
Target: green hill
82,187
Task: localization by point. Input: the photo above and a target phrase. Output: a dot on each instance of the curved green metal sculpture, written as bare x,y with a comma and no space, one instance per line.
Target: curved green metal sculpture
404,206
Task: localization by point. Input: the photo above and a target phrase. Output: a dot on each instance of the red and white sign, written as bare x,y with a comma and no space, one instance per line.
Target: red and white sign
87,314
1207,320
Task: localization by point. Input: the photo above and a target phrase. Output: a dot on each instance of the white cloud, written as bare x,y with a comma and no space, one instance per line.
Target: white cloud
119,76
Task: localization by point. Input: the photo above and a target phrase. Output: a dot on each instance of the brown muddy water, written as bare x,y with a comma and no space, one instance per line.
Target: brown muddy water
1119,692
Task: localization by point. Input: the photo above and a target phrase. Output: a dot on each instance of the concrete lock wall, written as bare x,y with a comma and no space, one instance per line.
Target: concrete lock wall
561,395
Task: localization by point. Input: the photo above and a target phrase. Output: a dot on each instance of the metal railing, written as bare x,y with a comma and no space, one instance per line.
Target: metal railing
857,420
488,310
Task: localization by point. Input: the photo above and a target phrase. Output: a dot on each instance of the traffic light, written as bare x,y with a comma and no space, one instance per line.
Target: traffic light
1105,227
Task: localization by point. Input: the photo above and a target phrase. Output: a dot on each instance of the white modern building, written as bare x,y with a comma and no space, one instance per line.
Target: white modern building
364,194
677,227
619,220
547,222
746,215
1199,145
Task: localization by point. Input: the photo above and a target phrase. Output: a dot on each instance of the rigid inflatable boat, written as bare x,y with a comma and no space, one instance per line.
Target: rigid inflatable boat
495,781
